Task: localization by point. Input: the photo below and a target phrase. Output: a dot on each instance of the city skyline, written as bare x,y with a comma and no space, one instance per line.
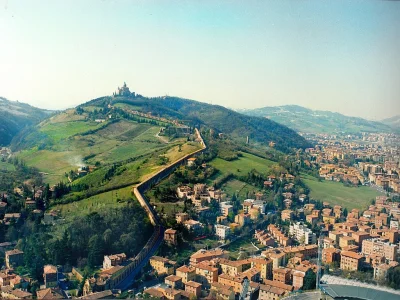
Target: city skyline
340,57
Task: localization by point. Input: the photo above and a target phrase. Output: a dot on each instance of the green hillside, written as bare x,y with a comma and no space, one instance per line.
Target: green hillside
393,122
314,121
221,119
73,139
337,194
15,116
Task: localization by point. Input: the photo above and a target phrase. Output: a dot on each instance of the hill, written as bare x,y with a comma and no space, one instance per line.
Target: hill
393,122
220,119
15,116
315,121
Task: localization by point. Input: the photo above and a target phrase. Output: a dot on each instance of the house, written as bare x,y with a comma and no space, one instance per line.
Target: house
49,294
222,231
302,234
350,261
191,161
113,260
234,267
286,215
193,225
30,204
14,258
171,237
330,255
206,274
187,273
242,219
264,265
283,275
225,208
162,265
6,276
193,288
222,292
181,217
272,290
203,255
173,281
15,294
50,276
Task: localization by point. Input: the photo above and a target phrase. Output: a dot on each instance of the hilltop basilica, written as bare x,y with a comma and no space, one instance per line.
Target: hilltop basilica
124,91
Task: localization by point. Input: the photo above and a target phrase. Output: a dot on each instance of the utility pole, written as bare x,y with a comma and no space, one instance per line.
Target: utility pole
320,244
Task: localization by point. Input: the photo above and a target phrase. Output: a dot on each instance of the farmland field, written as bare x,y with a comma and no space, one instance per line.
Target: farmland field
240,166
337,193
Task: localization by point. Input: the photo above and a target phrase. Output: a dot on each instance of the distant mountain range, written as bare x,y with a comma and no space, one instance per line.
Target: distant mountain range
393,122
306,120
15,116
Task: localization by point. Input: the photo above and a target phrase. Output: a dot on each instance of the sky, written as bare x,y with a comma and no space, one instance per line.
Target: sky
340,55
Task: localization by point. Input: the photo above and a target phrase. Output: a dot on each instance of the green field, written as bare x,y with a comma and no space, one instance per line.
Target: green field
240,166
337,194
238,187
101,202
115,142
60,131
5,166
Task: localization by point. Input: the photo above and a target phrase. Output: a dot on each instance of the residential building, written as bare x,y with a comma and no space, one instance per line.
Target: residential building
302,234
14,258
50,276
222,231
377,246
350,261
283,275
162,265
113,260
206,274
193,288
171,237
273,290
203,255
187,273
173,281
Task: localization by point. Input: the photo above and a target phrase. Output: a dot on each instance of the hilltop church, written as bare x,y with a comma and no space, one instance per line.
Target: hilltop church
124,91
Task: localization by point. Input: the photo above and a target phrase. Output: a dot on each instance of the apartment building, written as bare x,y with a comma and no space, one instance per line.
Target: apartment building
302,234
162,265
350,261
377,246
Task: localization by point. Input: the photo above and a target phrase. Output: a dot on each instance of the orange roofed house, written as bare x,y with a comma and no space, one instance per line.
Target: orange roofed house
350,261
162,265
203,255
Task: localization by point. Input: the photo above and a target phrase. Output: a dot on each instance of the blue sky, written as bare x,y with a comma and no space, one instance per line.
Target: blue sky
332,55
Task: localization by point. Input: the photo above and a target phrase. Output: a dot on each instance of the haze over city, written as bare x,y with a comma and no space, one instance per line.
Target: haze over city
339,55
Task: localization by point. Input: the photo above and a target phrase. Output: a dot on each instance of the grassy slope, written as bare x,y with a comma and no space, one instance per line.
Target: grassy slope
237,187
240,166
115,142
337,193
114,199
6,166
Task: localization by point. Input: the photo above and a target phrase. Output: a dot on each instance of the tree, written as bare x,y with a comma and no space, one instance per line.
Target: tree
95,254
310,280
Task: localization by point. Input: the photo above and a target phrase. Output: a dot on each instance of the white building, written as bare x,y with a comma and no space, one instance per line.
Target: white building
300,232
258,204
222,231
225,208
394,223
